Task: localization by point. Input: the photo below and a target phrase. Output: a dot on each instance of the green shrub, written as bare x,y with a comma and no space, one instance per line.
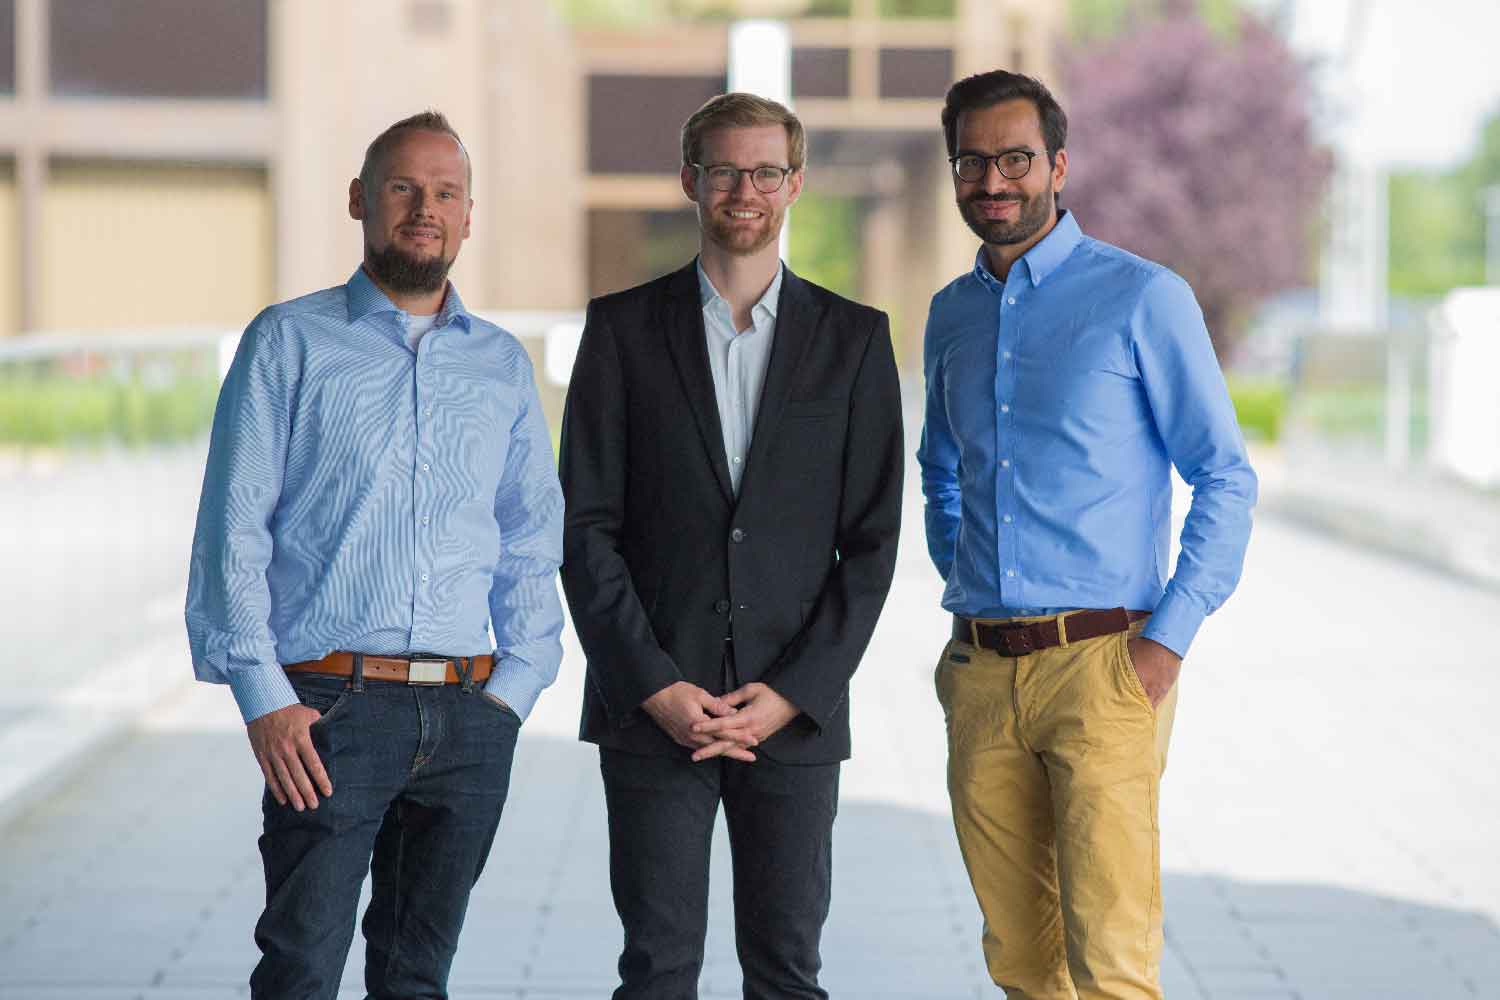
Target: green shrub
1261,407
57,410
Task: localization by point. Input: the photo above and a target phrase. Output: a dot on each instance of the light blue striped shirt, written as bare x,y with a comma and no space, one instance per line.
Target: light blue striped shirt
363,496
1058,401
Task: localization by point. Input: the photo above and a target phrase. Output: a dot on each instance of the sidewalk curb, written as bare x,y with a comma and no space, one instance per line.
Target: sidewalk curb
1474,559
53,744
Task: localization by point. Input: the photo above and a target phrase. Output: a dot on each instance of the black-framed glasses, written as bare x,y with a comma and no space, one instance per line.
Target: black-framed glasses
1013,164
726,177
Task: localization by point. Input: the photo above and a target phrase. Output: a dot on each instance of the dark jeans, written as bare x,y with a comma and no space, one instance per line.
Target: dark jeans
419,779
661,820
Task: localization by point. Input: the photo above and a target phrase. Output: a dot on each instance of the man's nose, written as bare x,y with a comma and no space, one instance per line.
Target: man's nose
993,180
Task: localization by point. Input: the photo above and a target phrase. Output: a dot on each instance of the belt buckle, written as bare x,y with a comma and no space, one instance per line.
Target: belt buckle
1017,642
427,672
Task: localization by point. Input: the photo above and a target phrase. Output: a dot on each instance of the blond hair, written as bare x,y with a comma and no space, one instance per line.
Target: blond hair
742,111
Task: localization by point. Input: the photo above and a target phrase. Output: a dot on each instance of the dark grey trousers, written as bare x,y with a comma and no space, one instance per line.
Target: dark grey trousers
661,820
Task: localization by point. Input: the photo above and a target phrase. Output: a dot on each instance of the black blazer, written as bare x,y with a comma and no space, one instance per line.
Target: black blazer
660,563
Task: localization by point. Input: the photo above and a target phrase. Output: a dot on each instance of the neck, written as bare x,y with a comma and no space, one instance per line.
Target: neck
741,280
415,303
1002,255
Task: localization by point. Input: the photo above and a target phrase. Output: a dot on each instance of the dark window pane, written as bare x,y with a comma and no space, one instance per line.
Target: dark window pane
628,247
7,46
820,72
915,72
159,48
635,122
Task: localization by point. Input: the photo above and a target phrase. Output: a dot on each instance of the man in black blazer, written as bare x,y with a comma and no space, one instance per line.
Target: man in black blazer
731,460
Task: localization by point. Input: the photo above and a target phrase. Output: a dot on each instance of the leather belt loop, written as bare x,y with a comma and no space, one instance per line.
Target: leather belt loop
465,666
357,680
973,633
1062,630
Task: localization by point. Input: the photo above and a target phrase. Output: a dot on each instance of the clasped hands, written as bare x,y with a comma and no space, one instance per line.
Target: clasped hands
728,725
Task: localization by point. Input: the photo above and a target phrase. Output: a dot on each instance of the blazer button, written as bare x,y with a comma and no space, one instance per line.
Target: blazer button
721,606
737,535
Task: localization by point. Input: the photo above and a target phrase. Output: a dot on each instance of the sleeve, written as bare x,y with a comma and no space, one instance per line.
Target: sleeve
938,457
1191,408
813,672
626,664
228,599
524,608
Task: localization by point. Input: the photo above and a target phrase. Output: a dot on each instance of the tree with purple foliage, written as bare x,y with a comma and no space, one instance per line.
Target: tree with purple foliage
1195,149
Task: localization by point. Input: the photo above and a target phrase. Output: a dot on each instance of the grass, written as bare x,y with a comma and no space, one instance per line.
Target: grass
59,410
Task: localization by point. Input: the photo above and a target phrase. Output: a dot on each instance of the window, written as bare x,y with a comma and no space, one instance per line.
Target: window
159,48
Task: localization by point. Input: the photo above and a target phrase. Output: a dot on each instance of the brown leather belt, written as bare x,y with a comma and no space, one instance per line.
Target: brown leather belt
405,669
1018,639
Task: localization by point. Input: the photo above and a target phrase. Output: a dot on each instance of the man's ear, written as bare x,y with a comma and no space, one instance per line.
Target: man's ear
357,199
1060,170
689,177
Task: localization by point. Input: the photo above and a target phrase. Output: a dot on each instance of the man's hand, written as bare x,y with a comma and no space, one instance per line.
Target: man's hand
283,747
761,714
1155,665
679,708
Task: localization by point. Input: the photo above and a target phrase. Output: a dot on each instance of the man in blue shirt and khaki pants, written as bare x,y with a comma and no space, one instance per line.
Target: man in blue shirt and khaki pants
1065,379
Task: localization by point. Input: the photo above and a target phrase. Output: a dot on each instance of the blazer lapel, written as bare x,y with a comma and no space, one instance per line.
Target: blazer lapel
797,318
688,345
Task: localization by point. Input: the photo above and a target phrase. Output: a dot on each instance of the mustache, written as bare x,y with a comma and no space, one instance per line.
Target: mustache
994,197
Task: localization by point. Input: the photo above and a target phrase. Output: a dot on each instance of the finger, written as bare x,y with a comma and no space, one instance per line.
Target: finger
740,754
299,777
708,703
738,697
288,787
314,765
272,785
715,749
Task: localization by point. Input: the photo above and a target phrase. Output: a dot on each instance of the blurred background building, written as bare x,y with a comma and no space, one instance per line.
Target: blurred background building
184,162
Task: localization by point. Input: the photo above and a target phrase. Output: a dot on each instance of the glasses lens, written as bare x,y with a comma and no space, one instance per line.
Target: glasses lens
767,179
970,168
723,178
1015,165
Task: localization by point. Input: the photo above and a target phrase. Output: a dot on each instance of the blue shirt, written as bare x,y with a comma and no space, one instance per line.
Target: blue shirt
1056,401
363,496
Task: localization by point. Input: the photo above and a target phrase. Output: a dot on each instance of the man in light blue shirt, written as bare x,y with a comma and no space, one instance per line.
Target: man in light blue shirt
380,493
1066,378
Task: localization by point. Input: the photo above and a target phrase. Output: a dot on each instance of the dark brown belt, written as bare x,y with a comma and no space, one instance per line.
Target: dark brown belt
1018,639
406,669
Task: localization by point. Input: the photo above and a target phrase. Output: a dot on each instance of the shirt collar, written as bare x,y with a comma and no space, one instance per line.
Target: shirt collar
707,293
1042,259
366,299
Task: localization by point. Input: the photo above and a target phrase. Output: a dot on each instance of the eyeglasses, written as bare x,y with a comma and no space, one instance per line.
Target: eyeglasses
1012,164
725,177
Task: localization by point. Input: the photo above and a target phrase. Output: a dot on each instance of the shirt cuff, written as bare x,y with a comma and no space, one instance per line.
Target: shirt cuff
513,683
261,690
1175,622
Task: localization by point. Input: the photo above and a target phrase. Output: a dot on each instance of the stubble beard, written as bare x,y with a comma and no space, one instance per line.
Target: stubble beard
1034,214
404,272
741,241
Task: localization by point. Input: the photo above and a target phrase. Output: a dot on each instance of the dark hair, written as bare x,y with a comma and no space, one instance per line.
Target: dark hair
426,121
986,89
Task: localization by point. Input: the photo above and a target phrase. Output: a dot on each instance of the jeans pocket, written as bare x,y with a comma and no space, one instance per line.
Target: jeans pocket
493,704
326,695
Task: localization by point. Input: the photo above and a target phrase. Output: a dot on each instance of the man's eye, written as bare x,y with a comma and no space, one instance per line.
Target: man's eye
970,162
1016,160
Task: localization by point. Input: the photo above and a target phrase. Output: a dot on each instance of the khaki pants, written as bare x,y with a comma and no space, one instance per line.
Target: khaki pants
1054,763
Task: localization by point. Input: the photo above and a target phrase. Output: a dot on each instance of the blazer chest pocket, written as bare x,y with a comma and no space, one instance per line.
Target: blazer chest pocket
815,409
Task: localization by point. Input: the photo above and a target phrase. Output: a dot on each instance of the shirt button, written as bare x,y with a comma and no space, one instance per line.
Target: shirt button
1005,463
428,411
721,606
1007,519
737,535
424,577
426,467
426,518
1010,572
1011,301
1006,356
1004,407
736,460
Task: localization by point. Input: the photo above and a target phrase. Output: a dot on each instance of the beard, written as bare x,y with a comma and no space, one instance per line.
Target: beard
406,272
1033,215
741,240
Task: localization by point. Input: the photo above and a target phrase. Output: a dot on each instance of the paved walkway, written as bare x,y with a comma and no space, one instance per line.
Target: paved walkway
1330,814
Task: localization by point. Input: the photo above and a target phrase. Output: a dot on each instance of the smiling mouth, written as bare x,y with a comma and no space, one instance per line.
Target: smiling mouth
744,214
421,233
